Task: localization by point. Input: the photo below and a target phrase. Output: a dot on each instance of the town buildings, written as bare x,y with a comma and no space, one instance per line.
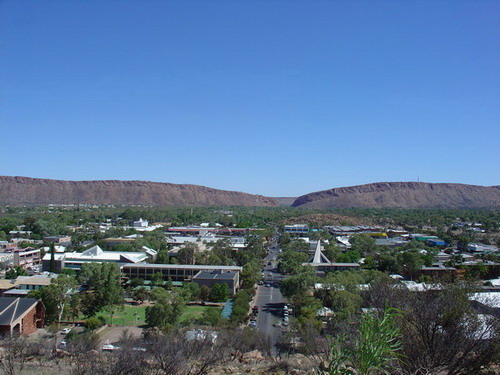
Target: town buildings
20,316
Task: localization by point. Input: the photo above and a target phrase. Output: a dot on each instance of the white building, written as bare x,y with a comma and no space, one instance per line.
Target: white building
95,254
140,223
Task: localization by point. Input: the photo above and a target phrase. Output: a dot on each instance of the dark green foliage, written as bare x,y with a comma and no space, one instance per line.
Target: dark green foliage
104,283
186,254
290,261
363,244
210,317
250,274
376,348
140,294
241,306
137,281
157,279
350,256
219,292
93,323
52,266
204,293
191,291
13,273
166,311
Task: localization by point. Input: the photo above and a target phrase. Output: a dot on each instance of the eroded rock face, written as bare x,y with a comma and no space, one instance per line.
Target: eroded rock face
403,195
34,191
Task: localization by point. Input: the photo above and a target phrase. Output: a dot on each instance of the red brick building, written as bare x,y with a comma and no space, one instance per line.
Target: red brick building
20,316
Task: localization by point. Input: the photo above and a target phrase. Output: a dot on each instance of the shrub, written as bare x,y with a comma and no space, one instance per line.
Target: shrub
93,323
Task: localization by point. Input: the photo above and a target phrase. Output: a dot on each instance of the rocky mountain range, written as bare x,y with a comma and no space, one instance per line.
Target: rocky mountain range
403,195
34,191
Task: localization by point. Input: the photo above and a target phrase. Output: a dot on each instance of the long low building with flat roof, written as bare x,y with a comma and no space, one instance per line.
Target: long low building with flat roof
95,255
177,272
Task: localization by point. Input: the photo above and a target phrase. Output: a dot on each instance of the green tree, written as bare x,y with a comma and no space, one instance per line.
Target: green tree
223,248
186,254
162,257
52,266
297,245
219,293
410,262
211,317
90,304
104,283
13,273
137,281
241,304
92,323
375,350
140,294
204,293
298,284
350,256
344,303
56,296
363,244
291,261
191,291
165,313
74,306
157,279
250,274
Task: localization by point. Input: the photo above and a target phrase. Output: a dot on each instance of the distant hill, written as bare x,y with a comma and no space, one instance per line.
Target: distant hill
285,201
34,191
403,195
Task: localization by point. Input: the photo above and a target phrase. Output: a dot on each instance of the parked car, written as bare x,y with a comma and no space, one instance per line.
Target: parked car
62,345
65,331
253,323
110,347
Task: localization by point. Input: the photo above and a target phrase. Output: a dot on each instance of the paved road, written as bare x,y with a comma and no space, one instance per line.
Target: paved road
270,300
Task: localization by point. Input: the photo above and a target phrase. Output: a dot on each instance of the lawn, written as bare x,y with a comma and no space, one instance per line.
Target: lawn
135,315
195,311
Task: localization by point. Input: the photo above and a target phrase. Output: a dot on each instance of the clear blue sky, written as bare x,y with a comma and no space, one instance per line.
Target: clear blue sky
279,98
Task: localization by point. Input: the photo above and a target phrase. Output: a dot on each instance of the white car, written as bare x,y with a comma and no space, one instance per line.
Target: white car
109,347
62,345
65,331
